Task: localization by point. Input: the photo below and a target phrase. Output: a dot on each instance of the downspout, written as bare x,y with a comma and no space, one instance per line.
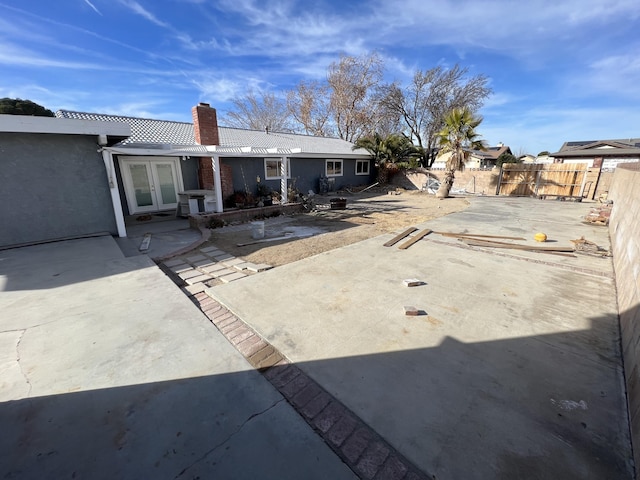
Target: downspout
107,158
217,182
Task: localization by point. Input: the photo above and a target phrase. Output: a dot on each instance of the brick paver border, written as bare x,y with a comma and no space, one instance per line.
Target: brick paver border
358,445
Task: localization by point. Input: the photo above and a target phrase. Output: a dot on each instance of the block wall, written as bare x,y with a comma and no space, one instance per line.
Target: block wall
624,230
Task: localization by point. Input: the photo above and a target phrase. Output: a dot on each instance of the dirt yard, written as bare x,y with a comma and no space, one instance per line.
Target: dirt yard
291,238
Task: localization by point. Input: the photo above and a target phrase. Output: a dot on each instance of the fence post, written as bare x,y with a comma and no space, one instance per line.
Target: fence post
538,175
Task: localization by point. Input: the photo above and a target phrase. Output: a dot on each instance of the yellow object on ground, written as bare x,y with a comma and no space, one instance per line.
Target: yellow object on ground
540,237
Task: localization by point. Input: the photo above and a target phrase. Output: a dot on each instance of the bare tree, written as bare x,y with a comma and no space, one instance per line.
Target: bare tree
353,81
263,111
309,105
423,104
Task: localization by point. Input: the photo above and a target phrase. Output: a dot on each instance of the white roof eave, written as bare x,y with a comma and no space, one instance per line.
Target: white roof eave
217,150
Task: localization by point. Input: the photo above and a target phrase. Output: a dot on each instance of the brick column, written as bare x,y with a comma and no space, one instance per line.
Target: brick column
205,131
205,173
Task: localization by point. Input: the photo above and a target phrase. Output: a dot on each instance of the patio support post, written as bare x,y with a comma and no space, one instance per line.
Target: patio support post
217,182
283,179
107,158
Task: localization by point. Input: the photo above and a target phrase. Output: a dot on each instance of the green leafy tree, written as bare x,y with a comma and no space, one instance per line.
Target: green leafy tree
388,151
457,138
506,158
17,106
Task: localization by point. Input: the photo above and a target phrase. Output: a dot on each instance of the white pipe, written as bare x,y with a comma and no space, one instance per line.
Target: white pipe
217,182
283,180
107,158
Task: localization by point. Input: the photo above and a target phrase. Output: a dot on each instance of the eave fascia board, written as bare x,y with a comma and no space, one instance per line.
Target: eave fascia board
62,126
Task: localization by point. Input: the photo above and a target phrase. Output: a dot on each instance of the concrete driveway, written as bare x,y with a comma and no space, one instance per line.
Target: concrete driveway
513,370
107,370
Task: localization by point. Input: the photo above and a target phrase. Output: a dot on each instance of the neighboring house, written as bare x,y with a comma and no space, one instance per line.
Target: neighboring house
478,159
526,158
55,183
544,159
163,158
606,154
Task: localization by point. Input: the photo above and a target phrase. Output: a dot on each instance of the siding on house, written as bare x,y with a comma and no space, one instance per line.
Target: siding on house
53,186
305,174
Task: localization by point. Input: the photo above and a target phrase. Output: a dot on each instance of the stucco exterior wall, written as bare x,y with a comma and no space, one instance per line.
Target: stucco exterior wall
472,181
624,229
52,186
482,181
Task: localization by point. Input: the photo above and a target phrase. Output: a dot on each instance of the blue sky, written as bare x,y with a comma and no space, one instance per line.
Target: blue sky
560,70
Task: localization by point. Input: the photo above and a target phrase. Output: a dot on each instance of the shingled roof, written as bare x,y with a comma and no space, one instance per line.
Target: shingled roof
150,133
590,148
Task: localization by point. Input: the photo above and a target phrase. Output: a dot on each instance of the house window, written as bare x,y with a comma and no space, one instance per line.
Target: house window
334,168
272,168
362,167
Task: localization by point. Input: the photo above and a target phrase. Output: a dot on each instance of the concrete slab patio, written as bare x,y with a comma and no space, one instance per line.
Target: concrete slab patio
107,370
514,369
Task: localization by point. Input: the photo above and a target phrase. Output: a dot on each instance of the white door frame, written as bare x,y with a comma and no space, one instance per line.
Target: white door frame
125,161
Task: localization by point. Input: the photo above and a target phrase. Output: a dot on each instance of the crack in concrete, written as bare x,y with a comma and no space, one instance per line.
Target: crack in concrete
24,374
29,327
226,440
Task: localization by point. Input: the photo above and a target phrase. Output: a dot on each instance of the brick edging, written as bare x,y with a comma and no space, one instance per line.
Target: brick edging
358,445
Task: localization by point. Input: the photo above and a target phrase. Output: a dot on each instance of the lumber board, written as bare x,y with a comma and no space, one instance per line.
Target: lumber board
452,234
515,246
400,236
417,237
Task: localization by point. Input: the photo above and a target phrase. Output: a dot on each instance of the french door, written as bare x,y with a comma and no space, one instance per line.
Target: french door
151,184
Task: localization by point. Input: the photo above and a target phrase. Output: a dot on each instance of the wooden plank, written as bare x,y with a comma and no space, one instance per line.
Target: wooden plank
455,235
400,236
417,237
515,246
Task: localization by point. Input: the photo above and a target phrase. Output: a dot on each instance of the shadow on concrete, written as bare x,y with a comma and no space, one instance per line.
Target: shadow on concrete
207,427
505,409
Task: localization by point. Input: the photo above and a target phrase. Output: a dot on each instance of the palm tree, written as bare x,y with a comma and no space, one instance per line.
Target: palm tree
387,150
457,137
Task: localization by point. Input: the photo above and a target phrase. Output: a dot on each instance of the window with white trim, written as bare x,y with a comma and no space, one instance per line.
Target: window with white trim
272,168
334,168
362,167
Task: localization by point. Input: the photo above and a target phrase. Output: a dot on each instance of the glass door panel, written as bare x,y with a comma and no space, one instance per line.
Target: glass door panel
166,185
142,185
151,183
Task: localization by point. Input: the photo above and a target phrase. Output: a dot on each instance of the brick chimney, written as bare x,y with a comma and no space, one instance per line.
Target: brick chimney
205,130
205,124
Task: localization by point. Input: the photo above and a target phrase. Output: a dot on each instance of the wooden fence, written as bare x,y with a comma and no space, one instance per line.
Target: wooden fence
540,180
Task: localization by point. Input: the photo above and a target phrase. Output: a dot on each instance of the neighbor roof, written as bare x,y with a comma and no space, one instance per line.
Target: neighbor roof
150,133
589,148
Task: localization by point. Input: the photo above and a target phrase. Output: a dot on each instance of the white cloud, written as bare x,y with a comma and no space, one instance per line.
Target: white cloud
93,7
138,9
132,109
619,74
547,127
220,90
17,56
519,29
